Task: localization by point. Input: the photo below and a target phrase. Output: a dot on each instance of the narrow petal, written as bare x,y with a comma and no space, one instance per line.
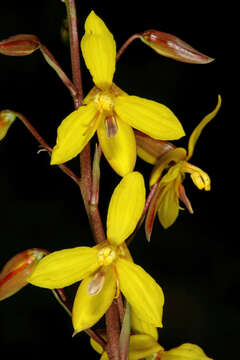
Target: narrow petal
142,292
197,131
184,352
65,267
88,309
99,51
168,208
119,150
74,133
150,117
125,207
152,211
142,346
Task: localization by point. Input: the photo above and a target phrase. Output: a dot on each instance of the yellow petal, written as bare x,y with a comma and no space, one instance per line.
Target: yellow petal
74,133
168,208
88,309
150,117
142,345
184,352
142,327
175,155
99,51
125,207
119,150
197,131
65,267
142,292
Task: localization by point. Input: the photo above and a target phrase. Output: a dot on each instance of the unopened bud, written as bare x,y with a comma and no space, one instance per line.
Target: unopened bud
14,274
7,117
170,46
19,45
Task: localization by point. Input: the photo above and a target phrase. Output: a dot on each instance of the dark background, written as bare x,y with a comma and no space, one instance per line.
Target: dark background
196,261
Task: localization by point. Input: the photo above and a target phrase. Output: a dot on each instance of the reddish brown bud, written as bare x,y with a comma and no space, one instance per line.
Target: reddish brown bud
14,274
19,45
170,46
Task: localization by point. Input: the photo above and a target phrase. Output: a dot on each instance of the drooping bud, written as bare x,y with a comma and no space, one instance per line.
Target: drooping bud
150,149
7,117
19,45
170,46
14,274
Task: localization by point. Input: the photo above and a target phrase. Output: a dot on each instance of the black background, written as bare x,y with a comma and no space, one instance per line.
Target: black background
195,261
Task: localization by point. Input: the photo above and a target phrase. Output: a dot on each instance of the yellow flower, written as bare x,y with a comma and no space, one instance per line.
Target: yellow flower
110,111
106,268
184,352
165,201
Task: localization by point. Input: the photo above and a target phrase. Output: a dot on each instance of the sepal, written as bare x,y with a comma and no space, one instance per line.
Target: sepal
7,117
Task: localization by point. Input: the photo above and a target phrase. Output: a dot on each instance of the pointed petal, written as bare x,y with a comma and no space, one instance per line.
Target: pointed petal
74,133
88,309
125,207
99,51
168,207
197,131
142,346
119,150
150,117
142,327
65,267
133,281
184,352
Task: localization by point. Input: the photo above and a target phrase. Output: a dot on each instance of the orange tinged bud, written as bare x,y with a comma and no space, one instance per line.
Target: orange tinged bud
7,117
14,274
170,46
19,45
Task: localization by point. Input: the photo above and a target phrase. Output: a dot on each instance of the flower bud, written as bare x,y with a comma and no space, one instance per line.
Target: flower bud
7,117
170,46
19,45
14,274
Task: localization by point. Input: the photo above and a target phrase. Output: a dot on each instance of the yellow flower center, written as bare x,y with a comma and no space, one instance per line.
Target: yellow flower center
106,255
105,102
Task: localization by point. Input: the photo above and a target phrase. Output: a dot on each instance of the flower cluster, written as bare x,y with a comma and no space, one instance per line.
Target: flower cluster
126,126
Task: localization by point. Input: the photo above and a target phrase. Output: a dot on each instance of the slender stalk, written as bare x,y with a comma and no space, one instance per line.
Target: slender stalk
43,143
125,45
113,332
74,46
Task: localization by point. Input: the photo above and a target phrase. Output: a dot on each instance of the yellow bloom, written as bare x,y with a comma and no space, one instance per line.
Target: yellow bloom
165,201
106,268
184,352
110,111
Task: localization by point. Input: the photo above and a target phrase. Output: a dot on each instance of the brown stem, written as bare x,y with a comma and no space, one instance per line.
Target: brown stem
113,332
74,46
43,143
125,45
